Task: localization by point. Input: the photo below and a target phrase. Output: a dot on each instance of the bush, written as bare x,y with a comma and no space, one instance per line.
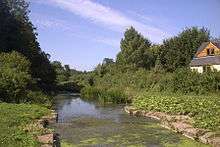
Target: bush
37,97
16,82
187,81
133,81
14,77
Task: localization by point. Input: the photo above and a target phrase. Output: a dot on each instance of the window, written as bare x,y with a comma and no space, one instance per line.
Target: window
210,52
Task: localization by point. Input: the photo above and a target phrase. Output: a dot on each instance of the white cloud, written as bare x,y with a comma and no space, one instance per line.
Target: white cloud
46,22
108,41
106,16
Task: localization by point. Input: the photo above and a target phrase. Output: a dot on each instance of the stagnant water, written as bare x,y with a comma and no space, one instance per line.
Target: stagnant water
88,123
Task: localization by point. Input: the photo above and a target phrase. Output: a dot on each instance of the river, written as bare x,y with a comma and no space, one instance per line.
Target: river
88,123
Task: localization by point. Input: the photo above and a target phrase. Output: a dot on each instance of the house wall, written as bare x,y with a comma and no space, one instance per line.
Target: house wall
199,69
204,52
217,67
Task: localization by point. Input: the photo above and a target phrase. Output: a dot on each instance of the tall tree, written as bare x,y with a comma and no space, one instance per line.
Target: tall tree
178,51
135,50
18,34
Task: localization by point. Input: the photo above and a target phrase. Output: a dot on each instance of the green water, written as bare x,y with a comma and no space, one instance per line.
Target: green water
88,123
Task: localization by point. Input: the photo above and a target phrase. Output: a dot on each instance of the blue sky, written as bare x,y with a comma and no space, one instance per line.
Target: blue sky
83,32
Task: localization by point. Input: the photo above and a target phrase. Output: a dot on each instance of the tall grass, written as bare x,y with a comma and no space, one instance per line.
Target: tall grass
104,96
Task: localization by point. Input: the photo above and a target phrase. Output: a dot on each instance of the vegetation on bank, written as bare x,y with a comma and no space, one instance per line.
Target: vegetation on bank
141,69
134,81
104,95
204,109
27,77
175,93
13,120
26,74
158,78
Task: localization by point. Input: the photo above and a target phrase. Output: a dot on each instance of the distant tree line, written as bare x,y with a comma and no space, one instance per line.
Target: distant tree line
173,53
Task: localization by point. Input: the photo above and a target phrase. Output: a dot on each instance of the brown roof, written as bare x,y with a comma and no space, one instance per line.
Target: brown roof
209,60
204,44
217,44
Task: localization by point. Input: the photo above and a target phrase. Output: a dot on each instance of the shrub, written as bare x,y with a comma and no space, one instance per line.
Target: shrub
181,81
14,77
187,81
37,97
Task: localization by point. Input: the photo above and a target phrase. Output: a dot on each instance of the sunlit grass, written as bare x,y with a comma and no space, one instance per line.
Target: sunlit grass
13,117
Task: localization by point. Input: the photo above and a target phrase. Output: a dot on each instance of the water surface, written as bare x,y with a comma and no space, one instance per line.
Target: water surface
88,123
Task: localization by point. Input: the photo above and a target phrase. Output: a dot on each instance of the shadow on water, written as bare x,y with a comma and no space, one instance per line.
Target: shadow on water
88,123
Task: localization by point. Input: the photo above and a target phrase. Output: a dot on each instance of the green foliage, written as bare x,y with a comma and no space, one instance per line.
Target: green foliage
14,77
37,97
18,34
13,119
69,86
205,109
82,79
63,73
178,51
105,96
68,79
197,83
135,50
16,84
104,68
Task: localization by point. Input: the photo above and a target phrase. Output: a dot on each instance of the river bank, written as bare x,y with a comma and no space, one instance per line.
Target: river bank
179,123
25,125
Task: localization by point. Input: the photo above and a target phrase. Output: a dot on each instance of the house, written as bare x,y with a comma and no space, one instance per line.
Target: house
207,58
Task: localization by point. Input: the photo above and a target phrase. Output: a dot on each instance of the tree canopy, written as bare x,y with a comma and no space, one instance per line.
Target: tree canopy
17,33
178,51
135,50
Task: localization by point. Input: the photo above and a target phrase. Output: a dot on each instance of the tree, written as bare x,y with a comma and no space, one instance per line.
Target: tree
104,67
63,72
17,33
107,61
67,71
177,52
135,50
14,77
60,71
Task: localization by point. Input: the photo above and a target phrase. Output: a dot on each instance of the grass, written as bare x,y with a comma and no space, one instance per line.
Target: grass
13,119
186,143
204,109
66,144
